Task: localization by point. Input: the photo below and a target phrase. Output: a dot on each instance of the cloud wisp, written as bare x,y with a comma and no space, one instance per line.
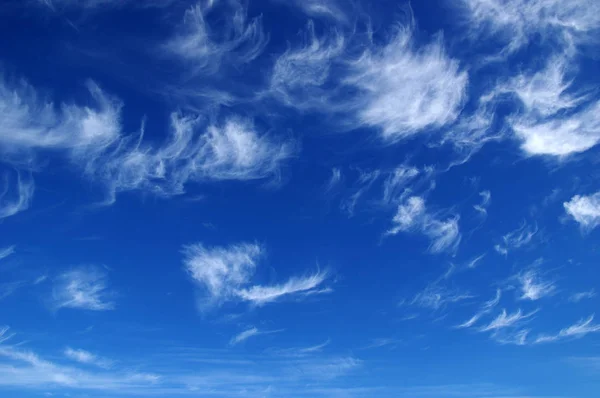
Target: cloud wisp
83,288
13,201
485,309
91,138
533,286
413,215
577,330
205,48
248,333
225,274
87,358
519,238
7,251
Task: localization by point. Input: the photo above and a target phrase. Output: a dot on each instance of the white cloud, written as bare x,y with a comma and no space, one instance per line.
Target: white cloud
577,297
518,238
330,9
87,358
553,120
243,336
395,87
366,179
222,271
261,295
298,75
336,177
92,139
303,351
486,197
578,330
25,369
83,288
13,201
505,320
205,48
7,251
251,332
473,263
486,308
436,296
225,274
585,210
403,90
519,20
394,185
533,287
412,215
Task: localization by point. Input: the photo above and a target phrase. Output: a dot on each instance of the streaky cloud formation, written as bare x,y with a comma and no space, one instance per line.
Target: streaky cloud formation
86,357
7,251
533,287
412,215
516,21
395,87
12,202
585,210
486,196
206,49
486,308
93,140
520,237
225,274
83,288
260,295
577,297
248,333
578,330
505,320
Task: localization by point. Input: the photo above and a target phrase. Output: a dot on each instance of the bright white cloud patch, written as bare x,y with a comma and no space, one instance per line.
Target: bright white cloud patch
225,273
406,90
533,287
413,216
83,288
585,210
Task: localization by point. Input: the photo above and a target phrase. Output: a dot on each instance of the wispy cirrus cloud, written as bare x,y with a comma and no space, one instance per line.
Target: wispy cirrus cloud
485,309
577,297
506,320
7,251
84,288
225,274
516,21
16,196
413,215
205,48
481,208
533,286
396,87
577,330
585,210
86,357
92,139
516,239
248,333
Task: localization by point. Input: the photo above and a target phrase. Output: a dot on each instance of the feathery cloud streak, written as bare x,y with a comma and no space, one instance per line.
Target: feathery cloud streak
225,274
412,215
83,288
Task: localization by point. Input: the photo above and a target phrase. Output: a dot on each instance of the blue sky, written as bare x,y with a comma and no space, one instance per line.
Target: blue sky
286,198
